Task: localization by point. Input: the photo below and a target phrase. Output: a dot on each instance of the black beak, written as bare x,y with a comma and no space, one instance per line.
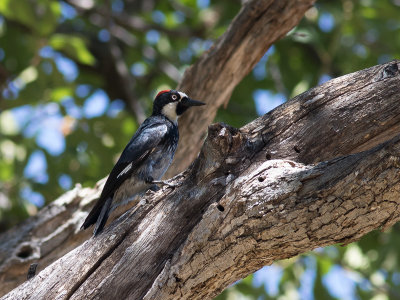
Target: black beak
190,102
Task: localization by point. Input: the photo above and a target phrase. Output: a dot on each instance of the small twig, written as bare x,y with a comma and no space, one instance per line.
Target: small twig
277,78
123,72
128,83
138,24
115,30
135,23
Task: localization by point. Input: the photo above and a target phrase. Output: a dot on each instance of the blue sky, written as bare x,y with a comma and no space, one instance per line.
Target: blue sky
339,282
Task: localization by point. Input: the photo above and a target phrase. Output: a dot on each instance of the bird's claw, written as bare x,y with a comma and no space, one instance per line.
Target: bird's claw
149,180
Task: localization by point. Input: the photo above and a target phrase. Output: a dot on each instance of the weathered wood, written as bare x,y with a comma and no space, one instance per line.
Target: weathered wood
54,231
42,239
277,210
213,77
236,209
345,115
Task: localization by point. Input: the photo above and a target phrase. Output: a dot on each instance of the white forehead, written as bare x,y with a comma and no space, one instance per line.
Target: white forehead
183,95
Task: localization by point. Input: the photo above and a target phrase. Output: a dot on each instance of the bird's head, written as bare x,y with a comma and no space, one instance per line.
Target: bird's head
173,104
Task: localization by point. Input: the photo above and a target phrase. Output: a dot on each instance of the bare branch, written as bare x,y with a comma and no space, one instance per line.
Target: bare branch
128,82
133,23
235,209
214,76
277,210
136,23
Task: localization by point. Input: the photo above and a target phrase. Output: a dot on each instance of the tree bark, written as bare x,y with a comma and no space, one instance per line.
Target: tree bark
254,195
213,77
55,230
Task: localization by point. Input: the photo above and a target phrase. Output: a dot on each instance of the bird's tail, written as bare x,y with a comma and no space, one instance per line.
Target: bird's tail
98,215
102,219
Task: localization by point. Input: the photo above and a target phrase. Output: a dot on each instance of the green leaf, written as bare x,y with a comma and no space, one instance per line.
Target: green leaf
320,291
50,11
324,264
6,171
60,93
73,46
8,124
19,10
39,16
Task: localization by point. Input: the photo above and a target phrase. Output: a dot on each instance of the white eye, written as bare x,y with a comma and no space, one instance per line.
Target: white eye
174,97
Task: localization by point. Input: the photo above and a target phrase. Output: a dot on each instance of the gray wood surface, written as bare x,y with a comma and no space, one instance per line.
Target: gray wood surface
288,182
246,201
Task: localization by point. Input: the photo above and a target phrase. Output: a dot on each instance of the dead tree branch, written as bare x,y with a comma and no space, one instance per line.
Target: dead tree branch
54,231
241,205
258,25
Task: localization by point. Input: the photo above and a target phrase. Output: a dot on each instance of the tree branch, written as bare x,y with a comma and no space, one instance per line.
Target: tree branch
134,23
345,115
236,209
213,77
280,209
35,240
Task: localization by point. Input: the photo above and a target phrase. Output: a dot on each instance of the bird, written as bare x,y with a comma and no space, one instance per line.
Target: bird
145,158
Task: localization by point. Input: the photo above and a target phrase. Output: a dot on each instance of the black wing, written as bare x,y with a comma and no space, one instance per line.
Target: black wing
145,140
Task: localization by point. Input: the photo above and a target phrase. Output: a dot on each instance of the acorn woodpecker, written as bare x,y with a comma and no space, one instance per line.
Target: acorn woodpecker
147,156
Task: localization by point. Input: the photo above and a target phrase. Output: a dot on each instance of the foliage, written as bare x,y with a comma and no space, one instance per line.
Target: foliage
76,77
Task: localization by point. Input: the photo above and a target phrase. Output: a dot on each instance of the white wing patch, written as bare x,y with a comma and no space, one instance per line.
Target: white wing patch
126,170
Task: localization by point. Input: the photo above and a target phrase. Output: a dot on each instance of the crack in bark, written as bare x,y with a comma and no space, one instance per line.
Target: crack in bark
294,208
95,266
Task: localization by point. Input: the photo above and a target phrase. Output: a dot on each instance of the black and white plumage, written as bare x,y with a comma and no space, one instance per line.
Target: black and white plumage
147,156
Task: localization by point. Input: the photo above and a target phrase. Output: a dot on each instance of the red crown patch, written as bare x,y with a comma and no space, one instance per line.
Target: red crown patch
162,92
